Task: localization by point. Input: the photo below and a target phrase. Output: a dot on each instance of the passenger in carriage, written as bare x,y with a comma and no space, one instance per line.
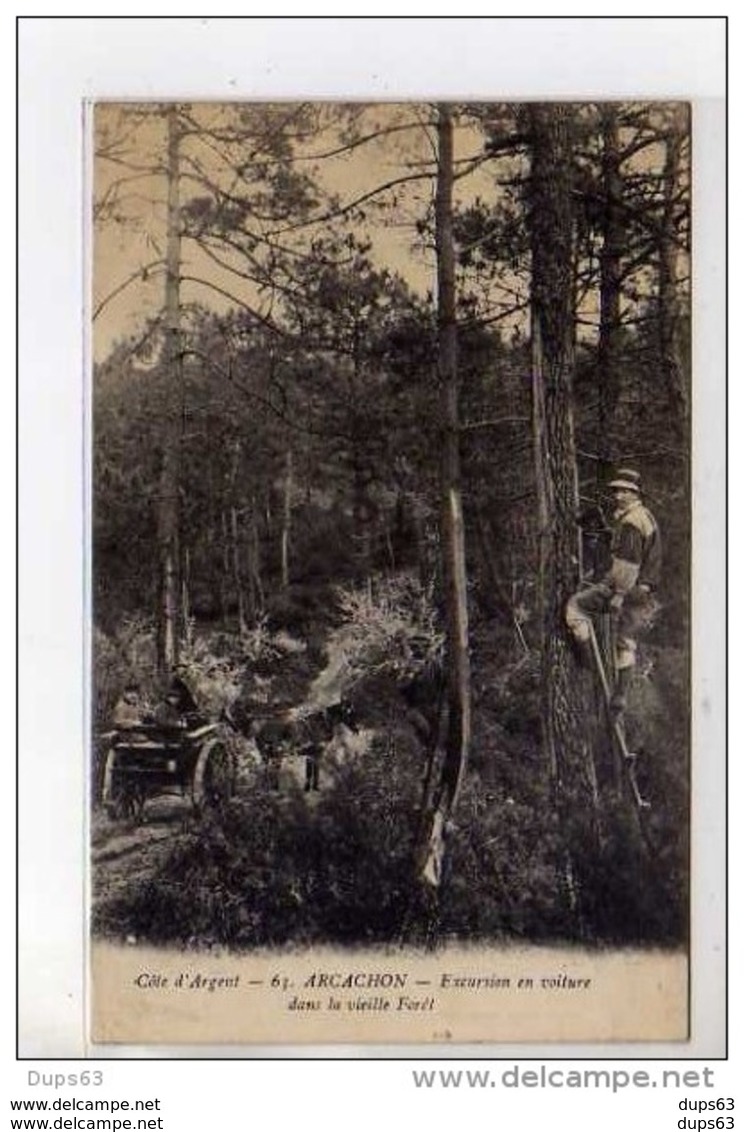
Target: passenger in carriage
168,713
178,708
129,712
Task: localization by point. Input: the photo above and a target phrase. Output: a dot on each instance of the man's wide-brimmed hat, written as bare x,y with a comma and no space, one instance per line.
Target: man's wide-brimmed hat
627,479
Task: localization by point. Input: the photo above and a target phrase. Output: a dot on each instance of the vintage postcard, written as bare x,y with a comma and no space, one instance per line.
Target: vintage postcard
391,573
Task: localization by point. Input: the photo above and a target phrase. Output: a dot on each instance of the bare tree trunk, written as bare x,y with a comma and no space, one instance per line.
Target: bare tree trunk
543,486
364,513
669,329
287,517
213,543
255,584
457,740
186,597
226,572
609,286
168,628
565,713
233,534
237,570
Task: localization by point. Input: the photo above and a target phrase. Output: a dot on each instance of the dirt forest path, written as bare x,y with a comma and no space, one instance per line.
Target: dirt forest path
124,853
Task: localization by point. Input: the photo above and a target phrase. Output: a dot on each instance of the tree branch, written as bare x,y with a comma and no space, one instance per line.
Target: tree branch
140,273
267,322
343,210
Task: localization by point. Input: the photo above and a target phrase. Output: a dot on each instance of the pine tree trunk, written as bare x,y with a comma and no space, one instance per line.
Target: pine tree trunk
237,570
287,517
233,536
565,711
457,739
255,590
168,519
609,287
226,572
186,597
669,330
363,517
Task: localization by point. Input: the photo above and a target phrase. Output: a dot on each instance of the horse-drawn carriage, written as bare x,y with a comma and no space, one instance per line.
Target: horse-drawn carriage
179,752
192,762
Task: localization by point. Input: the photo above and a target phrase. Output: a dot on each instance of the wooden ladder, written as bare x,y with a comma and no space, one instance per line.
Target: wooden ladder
628,757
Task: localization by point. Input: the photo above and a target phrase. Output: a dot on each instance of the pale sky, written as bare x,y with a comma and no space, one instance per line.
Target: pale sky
126,293
122,248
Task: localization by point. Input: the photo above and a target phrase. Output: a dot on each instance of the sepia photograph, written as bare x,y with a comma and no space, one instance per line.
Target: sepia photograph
390,571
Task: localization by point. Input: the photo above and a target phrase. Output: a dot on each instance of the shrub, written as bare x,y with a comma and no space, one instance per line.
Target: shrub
303,609
502,878
389,628
211,671
270,869
128,655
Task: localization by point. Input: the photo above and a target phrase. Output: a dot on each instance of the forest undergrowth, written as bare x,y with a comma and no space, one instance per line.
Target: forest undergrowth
279,867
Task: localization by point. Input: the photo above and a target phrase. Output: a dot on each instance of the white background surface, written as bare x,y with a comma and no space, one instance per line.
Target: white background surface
61,63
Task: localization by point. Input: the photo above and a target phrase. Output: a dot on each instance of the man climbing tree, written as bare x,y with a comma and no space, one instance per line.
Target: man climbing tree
628,587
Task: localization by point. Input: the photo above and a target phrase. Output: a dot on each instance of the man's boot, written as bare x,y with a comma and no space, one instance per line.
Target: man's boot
619,700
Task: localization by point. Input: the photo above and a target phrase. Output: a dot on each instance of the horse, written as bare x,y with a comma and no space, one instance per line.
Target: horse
299,733
316,731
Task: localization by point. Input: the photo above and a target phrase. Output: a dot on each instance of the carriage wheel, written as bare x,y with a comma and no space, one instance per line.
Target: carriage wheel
115,795
108,789
214,775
